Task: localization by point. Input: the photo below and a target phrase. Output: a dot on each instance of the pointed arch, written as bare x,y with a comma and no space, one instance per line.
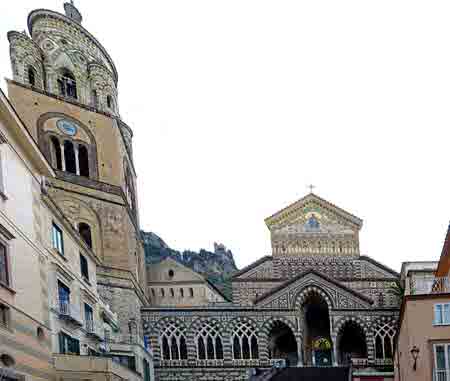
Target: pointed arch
244,339
170,333
208,339
307,291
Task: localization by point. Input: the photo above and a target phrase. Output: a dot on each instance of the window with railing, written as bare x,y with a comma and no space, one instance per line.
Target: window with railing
63,298
442,362
89,318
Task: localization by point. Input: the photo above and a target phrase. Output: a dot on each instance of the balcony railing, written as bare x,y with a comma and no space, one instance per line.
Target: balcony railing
68,311
125,339
424,286
94,328
441,375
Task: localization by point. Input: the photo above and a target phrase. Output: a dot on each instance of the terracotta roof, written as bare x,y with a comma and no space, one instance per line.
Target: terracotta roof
252,266
310,271
444,261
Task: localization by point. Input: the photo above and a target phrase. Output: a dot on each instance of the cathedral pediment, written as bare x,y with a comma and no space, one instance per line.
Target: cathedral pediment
290,294
313,225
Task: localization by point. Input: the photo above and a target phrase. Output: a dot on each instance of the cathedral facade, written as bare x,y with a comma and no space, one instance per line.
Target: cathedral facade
314,302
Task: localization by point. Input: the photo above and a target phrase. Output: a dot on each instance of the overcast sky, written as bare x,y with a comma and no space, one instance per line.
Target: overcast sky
237,105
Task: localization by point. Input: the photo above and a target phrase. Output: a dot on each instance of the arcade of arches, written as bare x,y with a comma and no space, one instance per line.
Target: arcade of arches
308,307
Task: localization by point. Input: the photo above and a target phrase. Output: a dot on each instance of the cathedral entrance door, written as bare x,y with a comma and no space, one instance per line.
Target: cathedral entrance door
316,331
322,352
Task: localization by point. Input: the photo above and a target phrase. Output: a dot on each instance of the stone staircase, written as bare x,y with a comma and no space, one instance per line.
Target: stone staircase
305,374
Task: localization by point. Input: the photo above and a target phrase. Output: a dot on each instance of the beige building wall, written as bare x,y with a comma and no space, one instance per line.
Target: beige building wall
417,329
26,337
172,284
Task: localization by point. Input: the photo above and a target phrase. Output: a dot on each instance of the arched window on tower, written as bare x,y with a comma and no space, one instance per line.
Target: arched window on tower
69,157
109,102
56,148
85,233
67,85
83,160
31,77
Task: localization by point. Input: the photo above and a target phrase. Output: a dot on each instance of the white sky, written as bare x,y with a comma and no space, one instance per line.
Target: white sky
238,105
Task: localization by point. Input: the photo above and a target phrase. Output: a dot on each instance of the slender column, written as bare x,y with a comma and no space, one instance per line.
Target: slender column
63,157
300,350
77,162
335,353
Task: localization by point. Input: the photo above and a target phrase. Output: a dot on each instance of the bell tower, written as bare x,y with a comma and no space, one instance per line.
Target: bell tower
64,87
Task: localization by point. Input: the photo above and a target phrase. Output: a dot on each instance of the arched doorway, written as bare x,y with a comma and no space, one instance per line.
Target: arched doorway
282,343
317,344
351,343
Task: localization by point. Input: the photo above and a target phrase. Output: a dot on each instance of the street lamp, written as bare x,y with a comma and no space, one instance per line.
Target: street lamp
415,354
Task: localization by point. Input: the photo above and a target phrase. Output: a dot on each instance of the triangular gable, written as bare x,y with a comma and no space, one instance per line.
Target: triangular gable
309,204
158,272
375,269
286,295
255,269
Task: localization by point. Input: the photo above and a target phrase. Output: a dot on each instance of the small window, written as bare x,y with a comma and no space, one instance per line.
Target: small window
84,267
57,239
182,292
67,85
57,153
31,77
191,292
109,101
83,160
68,345
40,334
4,265
441,314
94,97
172,293
171,273
4,316
162,292
69,157
88,315
153,292
85,232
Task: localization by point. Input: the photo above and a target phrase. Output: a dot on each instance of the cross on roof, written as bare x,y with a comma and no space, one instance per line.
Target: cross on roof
311,188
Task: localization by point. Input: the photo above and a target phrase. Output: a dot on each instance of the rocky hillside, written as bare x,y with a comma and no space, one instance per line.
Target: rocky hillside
217,266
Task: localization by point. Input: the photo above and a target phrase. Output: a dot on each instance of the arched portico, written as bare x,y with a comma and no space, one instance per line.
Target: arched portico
314,306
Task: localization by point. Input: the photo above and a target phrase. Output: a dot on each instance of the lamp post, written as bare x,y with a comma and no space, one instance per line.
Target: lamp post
415,354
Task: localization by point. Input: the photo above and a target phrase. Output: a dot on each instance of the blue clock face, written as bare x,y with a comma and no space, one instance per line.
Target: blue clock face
67,127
